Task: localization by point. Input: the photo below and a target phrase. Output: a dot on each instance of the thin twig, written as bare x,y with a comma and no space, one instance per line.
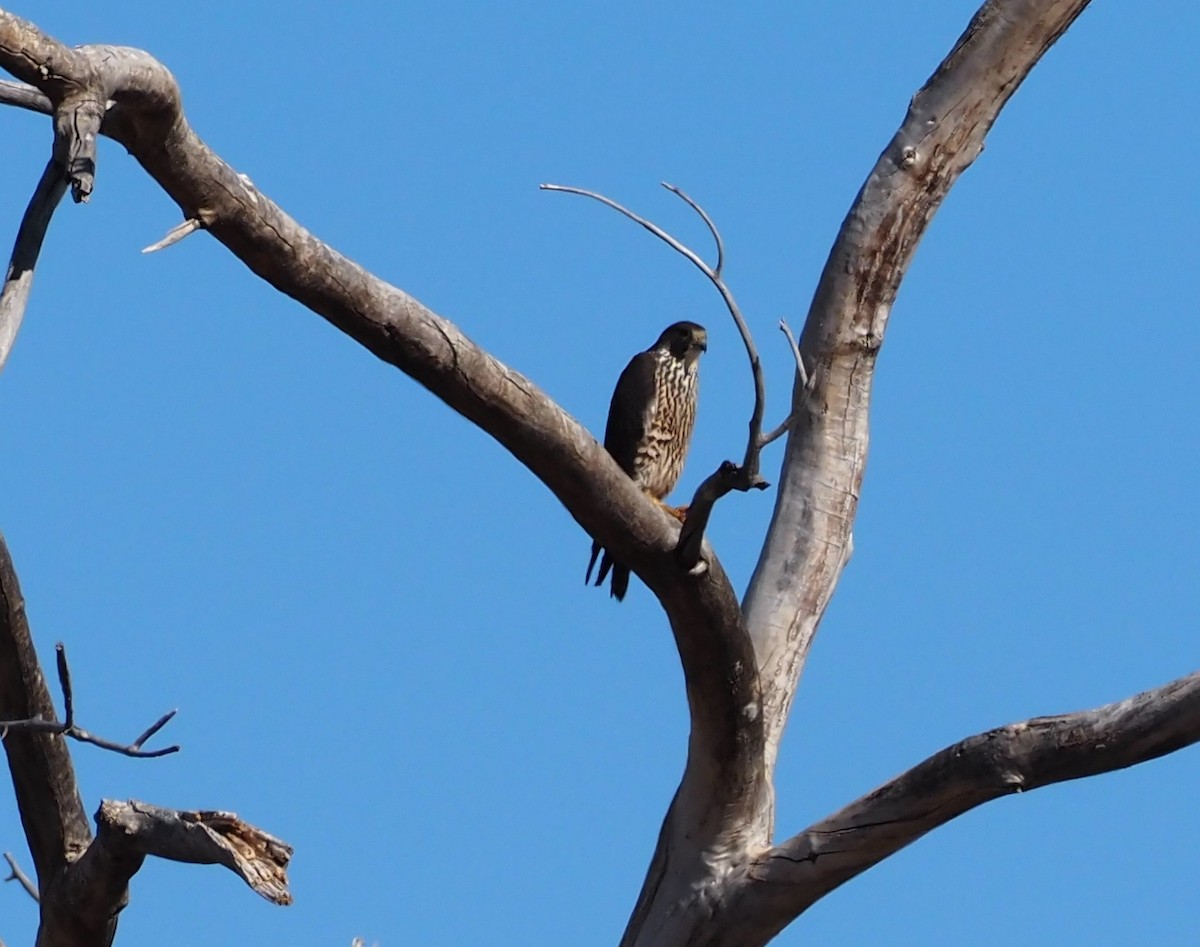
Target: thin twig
784,426
69,728
18,875
805,381
19,278
64,678
712,228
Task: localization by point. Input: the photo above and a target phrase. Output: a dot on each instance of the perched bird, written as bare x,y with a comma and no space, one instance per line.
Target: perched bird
650,424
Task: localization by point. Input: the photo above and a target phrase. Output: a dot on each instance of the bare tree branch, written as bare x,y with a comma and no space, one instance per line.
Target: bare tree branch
722,792
16,874
1016,758
81,908
78,114
24,96
52,813
809,540
202,838
83,881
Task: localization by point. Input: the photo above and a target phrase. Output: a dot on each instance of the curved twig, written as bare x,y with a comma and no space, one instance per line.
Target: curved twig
708,222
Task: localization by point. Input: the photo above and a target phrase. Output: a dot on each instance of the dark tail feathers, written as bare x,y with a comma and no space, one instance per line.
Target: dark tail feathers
620,575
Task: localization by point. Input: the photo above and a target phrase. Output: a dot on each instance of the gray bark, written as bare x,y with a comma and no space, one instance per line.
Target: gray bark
716,877
83,880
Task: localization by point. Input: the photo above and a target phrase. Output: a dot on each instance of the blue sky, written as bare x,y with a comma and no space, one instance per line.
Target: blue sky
374,621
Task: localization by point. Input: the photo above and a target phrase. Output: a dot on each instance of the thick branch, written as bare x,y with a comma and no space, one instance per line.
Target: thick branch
723,777
809,540
146,119
52,813
1016,758
201,838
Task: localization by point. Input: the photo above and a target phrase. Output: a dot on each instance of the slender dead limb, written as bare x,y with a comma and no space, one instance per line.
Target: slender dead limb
805,383
16,874
78,113
1019,757
69,728
18,281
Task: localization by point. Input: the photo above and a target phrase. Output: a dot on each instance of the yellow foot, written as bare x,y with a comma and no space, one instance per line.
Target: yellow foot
679,512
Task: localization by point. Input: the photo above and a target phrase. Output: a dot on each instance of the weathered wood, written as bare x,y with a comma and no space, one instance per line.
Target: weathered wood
809,539
1019,757
715,878
56,825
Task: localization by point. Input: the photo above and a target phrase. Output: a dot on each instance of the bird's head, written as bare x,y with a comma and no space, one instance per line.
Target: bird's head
684,340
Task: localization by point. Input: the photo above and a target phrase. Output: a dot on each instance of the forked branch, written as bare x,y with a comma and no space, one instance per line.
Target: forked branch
69,728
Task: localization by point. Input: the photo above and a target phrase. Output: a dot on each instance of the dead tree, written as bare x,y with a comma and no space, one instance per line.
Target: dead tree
718,875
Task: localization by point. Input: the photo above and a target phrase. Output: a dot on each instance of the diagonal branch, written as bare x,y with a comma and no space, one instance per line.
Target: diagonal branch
52,813
1016,758
18,280
78,113
725,749
16,874
809,540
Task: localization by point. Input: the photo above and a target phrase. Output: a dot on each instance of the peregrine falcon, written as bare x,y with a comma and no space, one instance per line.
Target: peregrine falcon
650,423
